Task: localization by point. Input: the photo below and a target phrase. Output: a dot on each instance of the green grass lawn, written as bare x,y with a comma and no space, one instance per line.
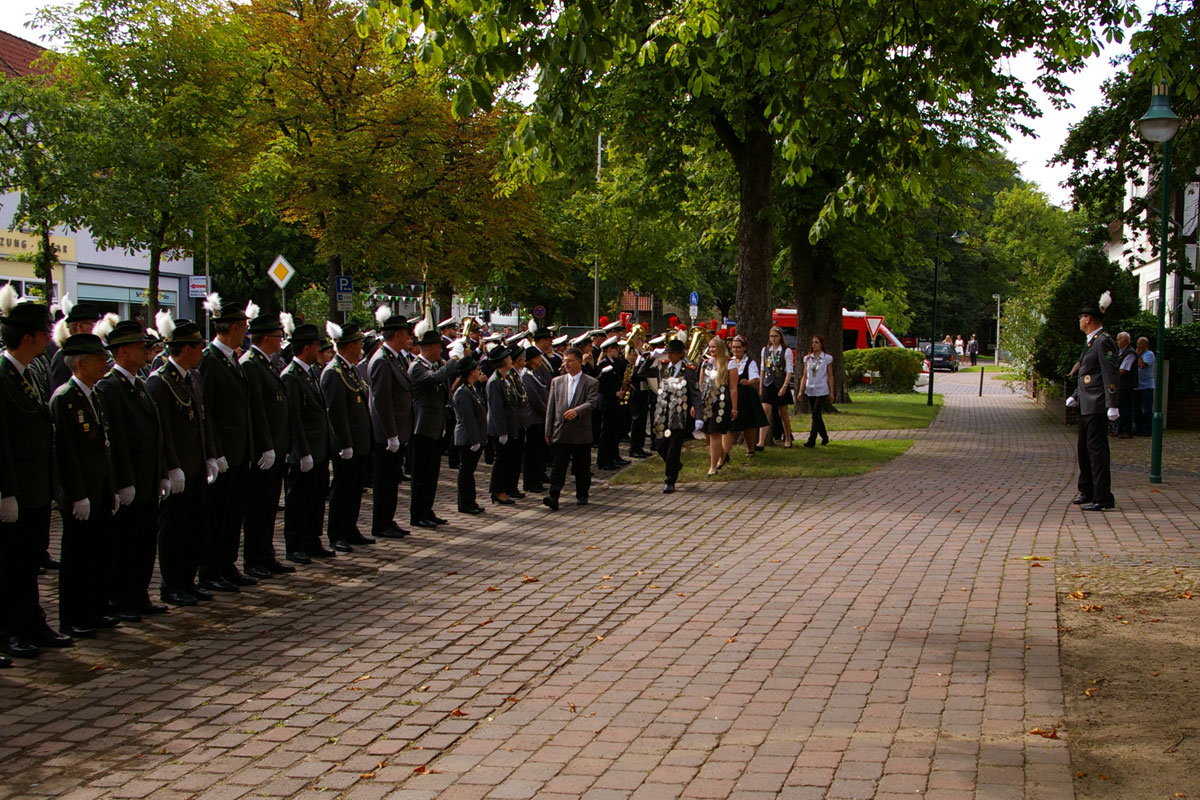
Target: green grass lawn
871,411
838,459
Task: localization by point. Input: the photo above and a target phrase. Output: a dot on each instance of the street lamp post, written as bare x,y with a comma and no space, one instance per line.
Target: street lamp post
996,297
958,238
1160,124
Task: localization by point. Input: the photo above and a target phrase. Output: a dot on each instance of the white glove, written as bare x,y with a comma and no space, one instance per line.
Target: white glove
212,469
306,464
1113,414
126,495
346,454
8,510
164,487
504,438
456,350
81,509
393,444
1072,402
475,448
266,460
222,465
175,478
699,424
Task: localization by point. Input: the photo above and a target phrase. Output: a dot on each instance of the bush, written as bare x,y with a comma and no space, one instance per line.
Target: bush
897,368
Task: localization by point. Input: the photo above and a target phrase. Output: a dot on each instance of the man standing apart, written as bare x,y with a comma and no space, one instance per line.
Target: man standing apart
1143,403
430,379
568,428
350,435
675,412
1096,396
391,418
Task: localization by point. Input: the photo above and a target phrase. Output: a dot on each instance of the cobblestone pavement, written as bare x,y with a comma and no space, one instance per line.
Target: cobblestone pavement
878,636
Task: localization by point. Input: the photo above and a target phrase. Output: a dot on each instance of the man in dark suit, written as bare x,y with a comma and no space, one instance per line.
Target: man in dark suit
536,378
430,379
269,405
346,402
135,437
227,402
87,495
612,413
26,479
190,455
78,318
308,456
1097,394
391,418
676,410
568,428
543,340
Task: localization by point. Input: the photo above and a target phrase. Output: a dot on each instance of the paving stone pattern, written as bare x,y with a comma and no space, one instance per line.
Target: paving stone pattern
878,636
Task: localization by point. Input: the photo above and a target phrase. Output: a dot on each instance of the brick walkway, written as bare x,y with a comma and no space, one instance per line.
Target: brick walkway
878,636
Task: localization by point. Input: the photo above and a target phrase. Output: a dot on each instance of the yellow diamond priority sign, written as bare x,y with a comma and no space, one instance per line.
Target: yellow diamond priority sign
281,271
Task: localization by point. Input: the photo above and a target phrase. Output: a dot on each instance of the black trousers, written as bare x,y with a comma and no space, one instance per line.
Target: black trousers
21,553
227,499
669,447
508,462
1095,481
468,460
304,506
579,457
86,547
426,467
516,459
388,468
181,524
345,497
134,545
817,404
611,429
536,452
1125,403
639,407
262,508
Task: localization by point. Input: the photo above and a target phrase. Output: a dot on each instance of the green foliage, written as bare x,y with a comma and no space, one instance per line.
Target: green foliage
897,368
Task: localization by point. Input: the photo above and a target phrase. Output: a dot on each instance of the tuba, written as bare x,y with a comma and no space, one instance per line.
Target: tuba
469,325
631,355
698,339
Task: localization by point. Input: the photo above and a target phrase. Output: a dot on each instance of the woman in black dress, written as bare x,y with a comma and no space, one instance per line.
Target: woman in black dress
777,365
751,418
718,401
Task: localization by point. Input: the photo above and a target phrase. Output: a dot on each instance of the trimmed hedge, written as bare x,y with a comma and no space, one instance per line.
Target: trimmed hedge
897,367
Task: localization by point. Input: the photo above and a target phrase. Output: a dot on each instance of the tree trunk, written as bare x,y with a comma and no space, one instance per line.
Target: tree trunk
443,298
819,297
335,269
156,251
755,235
46,259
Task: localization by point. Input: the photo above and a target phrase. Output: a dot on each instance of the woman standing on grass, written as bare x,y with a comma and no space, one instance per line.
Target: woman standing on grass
718,400
816,383
751,418
775,386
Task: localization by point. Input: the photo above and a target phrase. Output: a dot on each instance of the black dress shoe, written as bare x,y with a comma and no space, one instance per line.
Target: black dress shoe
199,593
475,510
581,501
518,495
48,637
5,662
238,579
320,551
550,502
1081,500
298,557
360,539
669,488
425,523
261,573
439,520
502,501
177,598
639,454
79,631
128,615
17,647
50,563
106,621
392,533
1098,506
149,609
342,546
275,568
218,585
621,462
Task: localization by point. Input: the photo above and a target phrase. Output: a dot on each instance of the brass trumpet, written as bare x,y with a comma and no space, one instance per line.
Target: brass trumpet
469,325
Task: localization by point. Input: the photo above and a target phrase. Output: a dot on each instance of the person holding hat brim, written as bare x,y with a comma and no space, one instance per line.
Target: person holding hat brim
470,433
135,436
77,318
536,378
391,418
189,452
272,434
502,425
347,403
26,479
227,401
1098,397
87,496
307,481
430,380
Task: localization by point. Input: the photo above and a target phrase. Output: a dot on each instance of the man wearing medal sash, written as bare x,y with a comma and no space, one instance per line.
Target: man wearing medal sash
676,410
346,398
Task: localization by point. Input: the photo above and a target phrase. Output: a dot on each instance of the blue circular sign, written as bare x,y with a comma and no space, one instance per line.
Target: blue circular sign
694,298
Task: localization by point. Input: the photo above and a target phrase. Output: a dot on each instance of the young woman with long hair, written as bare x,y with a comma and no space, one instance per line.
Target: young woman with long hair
718,399
751,418
816,383
775,386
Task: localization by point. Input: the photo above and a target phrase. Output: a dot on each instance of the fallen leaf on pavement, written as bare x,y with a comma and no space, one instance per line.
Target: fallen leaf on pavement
731,640
528,579
1090,692
458,712
1080,774
492,589
1035,564
367,775
1077,595
1046,734
362,678
606,578
510,699
1035,558
1184,595
599,638
1090,607
95,667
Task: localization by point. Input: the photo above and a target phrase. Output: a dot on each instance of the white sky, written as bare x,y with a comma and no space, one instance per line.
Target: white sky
1032,154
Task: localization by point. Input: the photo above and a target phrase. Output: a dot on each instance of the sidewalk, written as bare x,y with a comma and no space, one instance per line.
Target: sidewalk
877,636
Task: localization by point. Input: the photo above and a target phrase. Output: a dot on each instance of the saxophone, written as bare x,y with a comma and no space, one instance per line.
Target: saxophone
631,354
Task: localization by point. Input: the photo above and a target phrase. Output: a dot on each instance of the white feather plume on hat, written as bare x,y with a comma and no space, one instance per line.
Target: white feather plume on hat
423,327
105,326
252,311
288,323
1105,300
164,324
8,299
153,334
383,314
67,304
532,327
61,332
212,304
333,330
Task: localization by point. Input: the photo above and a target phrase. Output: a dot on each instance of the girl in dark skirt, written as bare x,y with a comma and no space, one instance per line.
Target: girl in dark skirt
718,401
776,385
751,418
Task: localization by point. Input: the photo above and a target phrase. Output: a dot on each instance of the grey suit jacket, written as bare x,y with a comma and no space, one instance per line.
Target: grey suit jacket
391,395
430,393
573,431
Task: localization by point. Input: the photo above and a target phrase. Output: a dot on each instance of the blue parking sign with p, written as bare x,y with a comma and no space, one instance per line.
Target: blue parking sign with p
344,284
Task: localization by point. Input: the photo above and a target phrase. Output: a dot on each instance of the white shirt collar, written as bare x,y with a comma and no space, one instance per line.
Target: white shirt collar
299,362
391,350
16,362
1093,334
82,387
260,350
226,349
123,371
175,363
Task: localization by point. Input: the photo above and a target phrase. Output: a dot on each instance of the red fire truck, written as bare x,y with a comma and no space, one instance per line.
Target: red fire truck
859,329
